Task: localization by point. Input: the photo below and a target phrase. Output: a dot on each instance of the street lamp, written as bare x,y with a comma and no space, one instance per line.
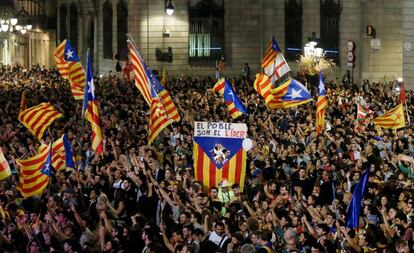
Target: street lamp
169,7
311,50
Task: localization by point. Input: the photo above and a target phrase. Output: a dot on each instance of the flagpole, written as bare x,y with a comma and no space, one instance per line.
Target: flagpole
406,112
82,122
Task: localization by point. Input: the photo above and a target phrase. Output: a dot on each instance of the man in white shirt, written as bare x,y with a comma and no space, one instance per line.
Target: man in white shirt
218,236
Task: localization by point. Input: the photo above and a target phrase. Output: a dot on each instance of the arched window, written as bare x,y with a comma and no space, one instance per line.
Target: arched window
122,26
107,30
206,36
293,28
330,13
73,25
63,12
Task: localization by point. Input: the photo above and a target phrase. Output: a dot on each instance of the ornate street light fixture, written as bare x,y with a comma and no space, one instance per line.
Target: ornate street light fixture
10,22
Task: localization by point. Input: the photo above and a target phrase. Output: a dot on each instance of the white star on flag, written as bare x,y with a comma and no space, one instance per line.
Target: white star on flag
69,54
91,89
321,87
296,93
231,94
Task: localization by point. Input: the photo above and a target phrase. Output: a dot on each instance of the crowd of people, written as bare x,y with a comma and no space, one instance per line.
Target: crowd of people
144,198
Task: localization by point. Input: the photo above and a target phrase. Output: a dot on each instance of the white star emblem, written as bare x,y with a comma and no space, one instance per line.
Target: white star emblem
321,87
91,89
296,93
69,54
231,94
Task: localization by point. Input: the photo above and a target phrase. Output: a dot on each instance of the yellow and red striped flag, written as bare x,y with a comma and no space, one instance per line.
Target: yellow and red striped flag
162,109
234,105
393,119
290,94
23,102
222,157
321,104
62,156
91,109
37,118
5,171
70,68
34,173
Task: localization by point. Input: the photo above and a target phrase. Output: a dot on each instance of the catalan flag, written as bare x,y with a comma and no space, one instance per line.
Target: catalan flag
90,107
363,113
70,68
36,119
264,87
290,94
234,105
321,104
216,159
23,102
274,63
162,109
34,173
393,119
62,155
4,166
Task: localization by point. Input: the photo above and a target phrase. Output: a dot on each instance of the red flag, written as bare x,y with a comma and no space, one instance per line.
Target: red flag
403,97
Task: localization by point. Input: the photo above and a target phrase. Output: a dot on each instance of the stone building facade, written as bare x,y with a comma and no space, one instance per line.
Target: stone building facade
247,28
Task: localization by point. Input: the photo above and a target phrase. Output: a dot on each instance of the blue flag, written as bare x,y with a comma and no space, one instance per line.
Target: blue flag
354,208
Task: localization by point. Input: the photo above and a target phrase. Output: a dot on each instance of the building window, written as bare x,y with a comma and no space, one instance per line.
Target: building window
122,26
330,14
206,36
63,16
107,30
293,29
73,24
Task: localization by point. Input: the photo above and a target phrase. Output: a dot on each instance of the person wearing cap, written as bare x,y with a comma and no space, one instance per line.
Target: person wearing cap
225,194
69,197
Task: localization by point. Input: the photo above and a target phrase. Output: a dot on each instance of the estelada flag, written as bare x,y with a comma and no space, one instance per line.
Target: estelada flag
4,166
219,158
62,155
70,68
35,173
37,118
393,119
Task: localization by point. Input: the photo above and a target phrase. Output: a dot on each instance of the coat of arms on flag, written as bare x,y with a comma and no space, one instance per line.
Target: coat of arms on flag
218,153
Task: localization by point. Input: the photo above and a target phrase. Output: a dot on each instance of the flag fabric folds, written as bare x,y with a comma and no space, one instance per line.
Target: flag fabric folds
210,172
274,63
393,119
162,109
62,155
70,68
234,105
363,113
5,171
91,110
321,104
36,119
290,94
35,172
354,208
23,102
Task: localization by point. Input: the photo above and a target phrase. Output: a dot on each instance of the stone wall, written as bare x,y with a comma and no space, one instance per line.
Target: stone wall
249,25
408,42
